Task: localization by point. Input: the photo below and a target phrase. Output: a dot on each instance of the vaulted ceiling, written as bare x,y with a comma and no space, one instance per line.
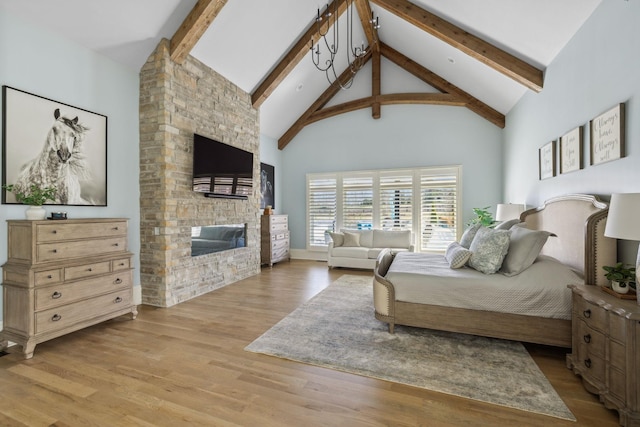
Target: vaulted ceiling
483,55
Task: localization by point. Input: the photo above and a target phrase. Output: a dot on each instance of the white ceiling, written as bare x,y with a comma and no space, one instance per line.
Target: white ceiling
248,38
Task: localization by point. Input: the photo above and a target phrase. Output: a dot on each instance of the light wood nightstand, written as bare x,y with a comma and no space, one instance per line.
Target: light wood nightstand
606,349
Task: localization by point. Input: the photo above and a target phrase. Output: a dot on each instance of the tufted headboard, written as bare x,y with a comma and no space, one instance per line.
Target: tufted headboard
578,221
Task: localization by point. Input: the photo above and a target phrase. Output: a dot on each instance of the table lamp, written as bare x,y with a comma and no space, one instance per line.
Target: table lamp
623,221
506,211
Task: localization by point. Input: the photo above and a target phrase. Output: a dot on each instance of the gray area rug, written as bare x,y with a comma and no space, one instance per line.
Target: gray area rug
336,329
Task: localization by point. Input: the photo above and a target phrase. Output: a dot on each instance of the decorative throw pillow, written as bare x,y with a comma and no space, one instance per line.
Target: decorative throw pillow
524,247
468,235
489,248
338,238
351,239
506,225
456,255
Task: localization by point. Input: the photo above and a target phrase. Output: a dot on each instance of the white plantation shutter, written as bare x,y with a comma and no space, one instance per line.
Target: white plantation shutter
396,201
438,208
357,202
425,201
321,208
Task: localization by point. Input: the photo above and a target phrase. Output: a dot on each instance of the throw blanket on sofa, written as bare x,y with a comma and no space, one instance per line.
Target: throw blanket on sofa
541,290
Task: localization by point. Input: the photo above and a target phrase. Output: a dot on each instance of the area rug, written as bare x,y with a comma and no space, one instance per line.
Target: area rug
336,329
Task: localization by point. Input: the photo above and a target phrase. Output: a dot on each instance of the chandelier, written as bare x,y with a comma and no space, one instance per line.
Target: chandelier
323,57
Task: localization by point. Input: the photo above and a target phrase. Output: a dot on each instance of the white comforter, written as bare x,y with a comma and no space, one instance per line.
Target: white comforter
541,290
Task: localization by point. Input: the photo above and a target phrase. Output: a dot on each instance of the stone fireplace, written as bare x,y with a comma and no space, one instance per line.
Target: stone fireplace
176,101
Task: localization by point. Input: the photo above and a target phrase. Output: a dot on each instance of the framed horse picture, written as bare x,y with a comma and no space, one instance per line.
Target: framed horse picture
53,145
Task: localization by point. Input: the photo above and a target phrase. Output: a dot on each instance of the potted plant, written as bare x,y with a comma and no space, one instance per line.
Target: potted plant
483,217
620,275
35,197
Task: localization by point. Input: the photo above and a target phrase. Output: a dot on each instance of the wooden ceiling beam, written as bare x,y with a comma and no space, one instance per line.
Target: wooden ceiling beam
317,104
292,58
494,57
389,99
193,27
442,85
376,78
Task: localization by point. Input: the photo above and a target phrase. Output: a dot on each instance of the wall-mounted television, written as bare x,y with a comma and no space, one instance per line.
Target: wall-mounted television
220,170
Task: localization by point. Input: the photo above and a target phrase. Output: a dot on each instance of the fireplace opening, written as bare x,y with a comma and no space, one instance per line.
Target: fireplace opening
216,238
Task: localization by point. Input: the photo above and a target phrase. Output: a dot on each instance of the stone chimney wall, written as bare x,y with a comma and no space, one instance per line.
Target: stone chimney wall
177,101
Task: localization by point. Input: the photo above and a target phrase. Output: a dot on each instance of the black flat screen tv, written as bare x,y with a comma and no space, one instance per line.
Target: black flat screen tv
220,170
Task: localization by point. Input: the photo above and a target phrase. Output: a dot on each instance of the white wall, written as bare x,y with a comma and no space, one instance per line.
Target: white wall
270,155
599,68
45,64
405,136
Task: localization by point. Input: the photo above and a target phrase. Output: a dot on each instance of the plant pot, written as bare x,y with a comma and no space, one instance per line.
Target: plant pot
620,287
34,213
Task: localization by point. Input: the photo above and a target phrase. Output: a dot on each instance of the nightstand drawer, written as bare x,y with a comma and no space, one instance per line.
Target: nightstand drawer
617,328
592,339
595,317
592,365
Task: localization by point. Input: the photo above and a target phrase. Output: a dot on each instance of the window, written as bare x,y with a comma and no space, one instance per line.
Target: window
423,200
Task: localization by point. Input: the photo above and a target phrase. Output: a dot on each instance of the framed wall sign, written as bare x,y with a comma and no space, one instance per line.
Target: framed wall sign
52,144
571,151
607,136
547,160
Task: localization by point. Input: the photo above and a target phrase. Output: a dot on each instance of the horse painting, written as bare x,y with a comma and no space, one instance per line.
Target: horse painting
61,163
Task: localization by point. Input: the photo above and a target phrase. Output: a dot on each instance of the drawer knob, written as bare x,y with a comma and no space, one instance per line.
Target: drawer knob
115,228
55,251
49,276
118,300
121,264
118,281
56,317
55,231
587,313
56,295
587,338
89,269
116,244
587,363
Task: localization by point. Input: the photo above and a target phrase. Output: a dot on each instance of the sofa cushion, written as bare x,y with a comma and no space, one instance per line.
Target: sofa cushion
338,239
350,252
366,236
351,240
391,238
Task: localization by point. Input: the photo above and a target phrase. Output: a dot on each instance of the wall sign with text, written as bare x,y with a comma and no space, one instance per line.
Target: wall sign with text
607,135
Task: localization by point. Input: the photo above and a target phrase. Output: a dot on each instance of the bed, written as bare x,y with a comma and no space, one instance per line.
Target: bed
434,298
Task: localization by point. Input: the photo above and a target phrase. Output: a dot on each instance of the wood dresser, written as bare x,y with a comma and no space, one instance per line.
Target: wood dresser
62,276
274,237
606,349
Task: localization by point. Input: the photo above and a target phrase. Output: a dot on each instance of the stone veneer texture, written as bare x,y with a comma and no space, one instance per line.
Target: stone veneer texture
176,101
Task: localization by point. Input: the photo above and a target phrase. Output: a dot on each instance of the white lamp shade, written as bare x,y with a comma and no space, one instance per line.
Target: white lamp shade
623,221
508,211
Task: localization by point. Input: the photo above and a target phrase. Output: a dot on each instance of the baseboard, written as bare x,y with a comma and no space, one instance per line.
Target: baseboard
308,255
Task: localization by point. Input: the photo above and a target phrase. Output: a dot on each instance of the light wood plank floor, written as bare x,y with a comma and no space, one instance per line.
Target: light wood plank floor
185,366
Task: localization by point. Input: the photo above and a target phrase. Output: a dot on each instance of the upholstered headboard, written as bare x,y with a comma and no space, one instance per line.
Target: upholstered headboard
578,221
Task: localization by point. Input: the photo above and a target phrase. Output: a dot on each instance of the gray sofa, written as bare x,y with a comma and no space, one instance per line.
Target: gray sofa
360,248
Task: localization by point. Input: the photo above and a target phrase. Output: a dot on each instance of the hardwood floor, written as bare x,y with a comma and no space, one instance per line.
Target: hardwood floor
185,365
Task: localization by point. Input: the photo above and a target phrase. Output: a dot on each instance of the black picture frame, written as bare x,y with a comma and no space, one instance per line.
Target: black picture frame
267,186
75,162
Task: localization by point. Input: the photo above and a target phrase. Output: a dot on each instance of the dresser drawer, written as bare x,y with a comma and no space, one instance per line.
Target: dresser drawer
66,231
121,264
592,365
87,270
67,315
595,317
81,248
280,235
48,277
55,296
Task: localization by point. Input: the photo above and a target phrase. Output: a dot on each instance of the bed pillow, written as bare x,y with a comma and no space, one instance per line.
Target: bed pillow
351,240
506,225
489,248
468,235
524,247
338,239
456,255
